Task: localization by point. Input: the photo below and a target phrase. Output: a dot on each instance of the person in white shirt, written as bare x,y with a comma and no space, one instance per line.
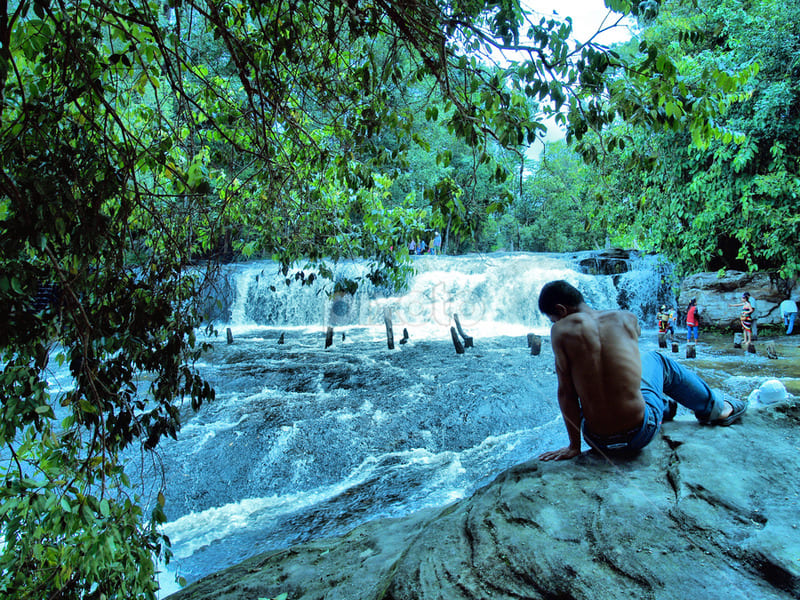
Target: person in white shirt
788,314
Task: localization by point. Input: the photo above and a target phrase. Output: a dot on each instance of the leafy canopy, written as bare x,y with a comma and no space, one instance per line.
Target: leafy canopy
729,199
137,137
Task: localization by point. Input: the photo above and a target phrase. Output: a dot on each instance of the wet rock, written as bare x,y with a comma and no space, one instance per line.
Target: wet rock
606,262
715,293
703,512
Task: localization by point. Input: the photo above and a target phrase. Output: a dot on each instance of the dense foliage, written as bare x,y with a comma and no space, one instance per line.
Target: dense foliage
729,201
552,212
138,136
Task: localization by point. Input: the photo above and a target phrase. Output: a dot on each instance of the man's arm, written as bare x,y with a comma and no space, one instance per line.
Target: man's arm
569,404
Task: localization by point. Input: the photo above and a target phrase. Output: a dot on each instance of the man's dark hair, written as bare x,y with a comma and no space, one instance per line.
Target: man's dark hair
558,292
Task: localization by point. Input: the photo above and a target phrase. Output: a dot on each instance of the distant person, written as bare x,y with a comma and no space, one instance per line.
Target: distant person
662,318
692,321
745,318
673,321
610,393
753,318
788,314
412,247
421,247
437,243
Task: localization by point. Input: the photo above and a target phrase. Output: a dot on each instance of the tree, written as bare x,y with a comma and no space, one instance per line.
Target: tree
729,201
136,137
553,210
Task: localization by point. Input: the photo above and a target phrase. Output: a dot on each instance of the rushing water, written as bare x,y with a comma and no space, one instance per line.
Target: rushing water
486,291
305,441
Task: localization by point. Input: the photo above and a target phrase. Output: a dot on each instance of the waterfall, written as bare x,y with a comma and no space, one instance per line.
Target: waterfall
306,441
491,293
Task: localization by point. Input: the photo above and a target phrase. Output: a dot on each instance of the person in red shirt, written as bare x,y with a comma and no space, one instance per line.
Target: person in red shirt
692,321
663,320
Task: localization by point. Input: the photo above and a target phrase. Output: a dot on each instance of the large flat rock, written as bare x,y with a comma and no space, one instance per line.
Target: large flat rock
715,293
702,513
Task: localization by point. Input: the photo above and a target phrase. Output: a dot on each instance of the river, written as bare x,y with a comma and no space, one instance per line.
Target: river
305,441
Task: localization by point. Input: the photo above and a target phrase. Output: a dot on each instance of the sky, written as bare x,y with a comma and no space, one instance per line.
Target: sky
587,17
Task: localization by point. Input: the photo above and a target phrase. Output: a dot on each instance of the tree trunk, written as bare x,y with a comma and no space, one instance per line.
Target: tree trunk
467,339
456,342
387,320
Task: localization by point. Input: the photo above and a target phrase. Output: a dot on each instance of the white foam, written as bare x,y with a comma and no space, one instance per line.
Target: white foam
195,530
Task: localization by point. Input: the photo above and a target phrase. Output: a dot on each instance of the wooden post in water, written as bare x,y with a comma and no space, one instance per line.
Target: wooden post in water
282,340
230,335
772,352
662,340
456,342
737,340
534,343
691,351
329,337
387,320
751,348
675,347
467,339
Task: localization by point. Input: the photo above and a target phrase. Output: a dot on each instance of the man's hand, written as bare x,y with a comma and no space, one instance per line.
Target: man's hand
563,454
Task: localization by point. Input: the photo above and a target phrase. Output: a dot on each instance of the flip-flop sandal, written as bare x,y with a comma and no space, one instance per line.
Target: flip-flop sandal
739,408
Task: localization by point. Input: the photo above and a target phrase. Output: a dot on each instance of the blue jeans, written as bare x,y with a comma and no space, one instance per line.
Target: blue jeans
690,329
788,320
662,375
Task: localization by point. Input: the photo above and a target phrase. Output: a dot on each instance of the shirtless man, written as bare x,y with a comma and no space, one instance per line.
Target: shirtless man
606,390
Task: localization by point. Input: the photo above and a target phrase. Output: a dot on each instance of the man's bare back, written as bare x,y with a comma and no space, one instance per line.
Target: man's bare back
599,373
597,355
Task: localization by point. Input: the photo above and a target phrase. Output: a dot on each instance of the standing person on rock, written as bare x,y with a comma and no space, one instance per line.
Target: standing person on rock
607,391
673,321
753,318
788,313
692,321
662,319
745,318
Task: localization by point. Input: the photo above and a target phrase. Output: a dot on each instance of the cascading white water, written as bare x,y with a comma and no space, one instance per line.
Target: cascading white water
305,440
491,294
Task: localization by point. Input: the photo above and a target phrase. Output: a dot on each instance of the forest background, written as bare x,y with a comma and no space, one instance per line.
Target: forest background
142,140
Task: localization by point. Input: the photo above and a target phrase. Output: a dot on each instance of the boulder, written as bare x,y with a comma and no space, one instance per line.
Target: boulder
715,292
702,512
607,262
